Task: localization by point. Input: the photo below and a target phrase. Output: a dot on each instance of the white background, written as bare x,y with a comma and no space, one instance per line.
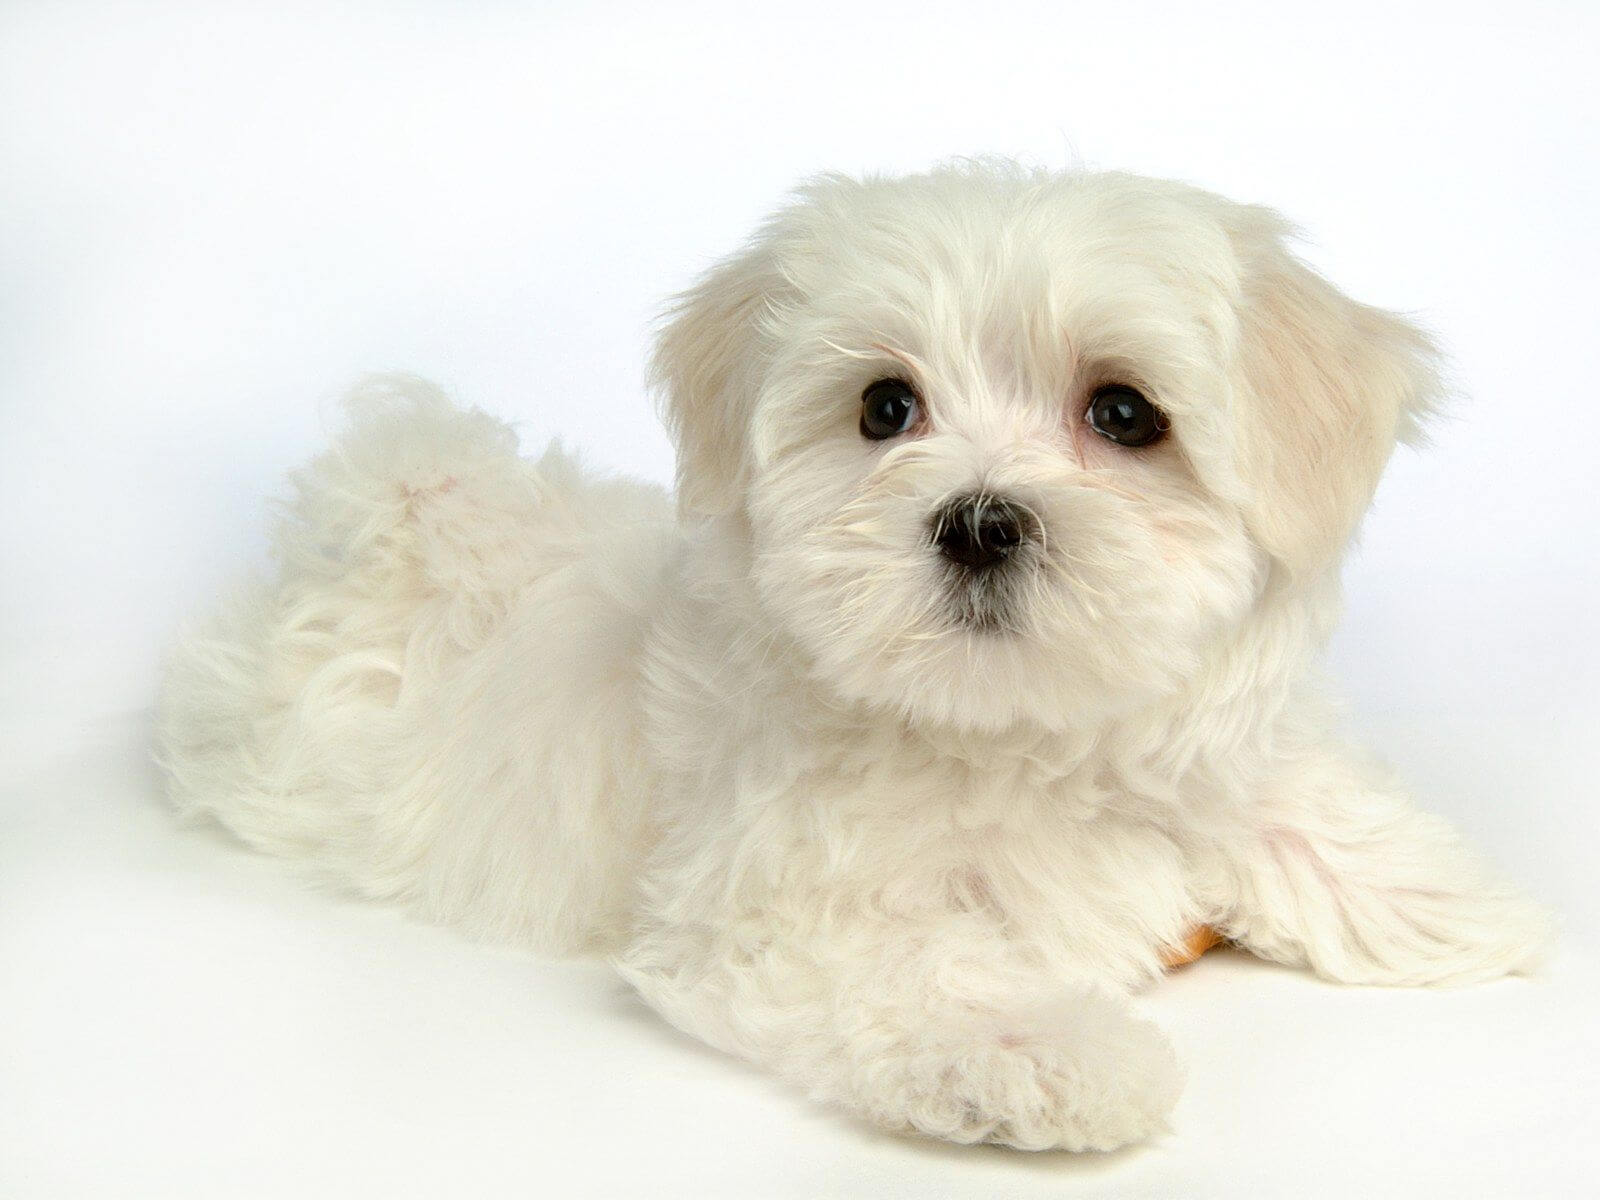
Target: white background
214,217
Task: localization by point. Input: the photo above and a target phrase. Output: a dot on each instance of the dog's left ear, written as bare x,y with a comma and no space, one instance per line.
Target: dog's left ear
707,366
1324,387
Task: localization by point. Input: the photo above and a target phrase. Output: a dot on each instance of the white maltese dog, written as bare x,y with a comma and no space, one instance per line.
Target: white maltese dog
971,676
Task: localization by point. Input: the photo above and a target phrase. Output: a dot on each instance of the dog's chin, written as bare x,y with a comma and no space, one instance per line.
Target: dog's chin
980,665
985,677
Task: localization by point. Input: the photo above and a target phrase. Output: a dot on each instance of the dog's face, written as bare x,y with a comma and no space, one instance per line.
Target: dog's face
1020,447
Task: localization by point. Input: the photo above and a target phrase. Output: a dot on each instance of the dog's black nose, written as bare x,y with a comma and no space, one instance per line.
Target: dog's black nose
980,530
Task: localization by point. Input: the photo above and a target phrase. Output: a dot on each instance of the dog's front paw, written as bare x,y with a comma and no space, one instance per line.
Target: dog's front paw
1085,1077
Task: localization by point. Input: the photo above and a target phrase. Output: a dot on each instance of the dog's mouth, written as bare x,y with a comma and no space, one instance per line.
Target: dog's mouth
984,600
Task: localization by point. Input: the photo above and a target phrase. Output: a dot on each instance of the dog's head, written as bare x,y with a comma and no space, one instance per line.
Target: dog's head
1019,446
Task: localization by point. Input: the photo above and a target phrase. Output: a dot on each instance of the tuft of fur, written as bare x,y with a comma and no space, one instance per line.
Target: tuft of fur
780,761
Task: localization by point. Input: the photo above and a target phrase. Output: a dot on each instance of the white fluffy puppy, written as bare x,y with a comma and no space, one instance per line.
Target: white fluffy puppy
969,676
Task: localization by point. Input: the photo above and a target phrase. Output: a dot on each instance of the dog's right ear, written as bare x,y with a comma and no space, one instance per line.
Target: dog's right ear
707,368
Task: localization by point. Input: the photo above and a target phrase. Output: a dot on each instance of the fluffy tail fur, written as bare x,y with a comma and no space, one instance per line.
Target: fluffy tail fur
425,704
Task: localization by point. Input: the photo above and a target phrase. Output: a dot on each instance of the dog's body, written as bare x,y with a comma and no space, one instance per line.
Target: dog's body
900,814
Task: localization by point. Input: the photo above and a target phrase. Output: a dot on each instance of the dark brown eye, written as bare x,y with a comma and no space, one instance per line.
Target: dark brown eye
888,408
1122,415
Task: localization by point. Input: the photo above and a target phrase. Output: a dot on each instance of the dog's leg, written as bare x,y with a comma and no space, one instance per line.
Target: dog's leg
1335,869
935,1028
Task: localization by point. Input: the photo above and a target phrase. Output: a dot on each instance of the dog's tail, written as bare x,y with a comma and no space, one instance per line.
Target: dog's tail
430,702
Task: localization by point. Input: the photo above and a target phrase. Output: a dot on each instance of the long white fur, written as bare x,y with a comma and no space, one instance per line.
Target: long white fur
743,750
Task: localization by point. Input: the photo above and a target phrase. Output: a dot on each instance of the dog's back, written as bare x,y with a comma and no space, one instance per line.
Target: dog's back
431,701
